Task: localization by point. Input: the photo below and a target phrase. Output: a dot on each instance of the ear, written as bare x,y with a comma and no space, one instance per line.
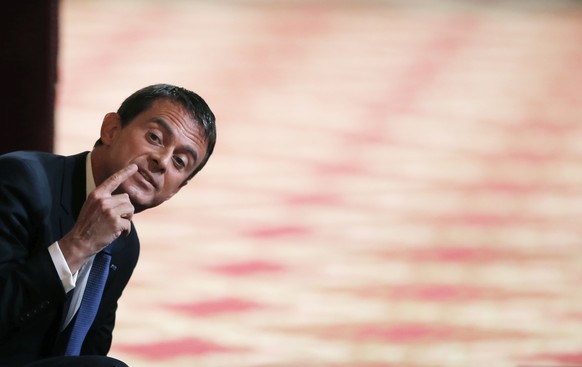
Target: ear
110,128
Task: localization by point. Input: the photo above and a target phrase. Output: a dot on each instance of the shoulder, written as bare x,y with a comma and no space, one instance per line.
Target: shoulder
28,168
38,163
27,159
24,175
33,171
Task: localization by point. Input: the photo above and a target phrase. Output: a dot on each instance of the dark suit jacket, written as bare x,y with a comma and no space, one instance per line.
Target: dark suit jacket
41,195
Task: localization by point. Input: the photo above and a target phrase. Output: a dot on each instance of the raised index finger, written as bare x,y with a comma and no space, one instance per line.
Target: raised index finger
113,181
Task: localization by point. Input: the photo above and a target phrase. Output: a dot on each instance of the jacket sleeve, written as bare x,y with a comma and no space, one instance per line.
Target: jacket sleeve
29,283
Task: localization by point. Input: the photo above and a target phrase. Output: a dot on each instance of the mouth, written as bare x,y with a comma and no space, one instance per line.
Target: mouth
146,175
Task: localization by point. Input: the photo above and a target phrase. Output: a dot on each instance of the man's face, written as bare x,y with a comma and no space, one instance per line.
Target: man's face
165,142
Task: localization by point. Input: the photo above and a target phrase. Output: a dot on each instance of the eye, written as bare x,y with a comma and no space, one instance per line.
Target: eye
179,162
154,138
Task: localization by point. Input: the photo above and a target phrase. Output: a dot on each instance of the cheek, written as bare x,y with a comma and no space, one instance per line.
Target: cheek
128,151
172,185
130,142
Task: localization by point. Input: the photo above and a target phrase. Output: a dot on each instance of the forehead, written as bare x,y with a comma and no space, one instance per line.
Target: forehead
168,108
174,114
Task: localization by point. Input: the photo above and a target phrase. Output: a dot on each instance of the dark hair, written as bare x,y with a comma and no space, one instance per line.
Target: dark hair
192,102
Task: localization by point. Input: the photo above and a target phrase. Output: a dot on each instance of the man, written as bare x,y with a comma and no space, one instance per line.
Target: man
60,217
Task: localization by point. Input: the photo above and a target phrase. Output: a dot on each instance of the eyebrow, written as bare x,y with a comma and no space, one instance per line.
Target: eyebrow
166,126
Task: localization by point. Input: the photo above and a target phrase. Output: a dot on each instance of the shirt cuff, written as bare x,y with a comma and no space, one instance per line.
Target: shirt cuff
67,278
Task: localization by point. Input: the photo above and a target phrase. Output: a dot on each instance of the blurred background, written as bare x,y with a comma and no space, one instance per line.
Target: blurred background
395,183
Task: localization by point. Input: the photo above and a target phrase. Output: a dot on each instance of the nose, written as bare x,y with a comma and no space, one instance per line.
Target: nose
160,161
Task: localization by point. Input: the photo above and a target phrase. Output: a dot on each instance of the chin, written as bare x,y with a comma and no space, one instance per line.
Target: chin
139,205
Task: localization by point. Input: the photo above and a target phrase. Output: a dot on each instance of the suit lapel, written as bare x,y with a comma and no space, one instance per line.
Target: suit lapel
72,190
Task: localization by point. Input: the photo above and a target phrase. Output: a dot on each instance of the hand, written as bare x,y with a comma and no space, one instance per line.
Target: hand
103,218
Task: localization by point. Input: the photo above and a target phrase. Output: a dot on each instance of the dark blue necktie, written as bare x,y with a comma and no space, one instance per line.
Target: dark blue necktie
90,302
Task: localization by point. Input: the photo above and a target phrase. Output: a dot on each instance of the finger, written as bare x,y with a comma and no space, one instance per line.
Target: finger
116,179
122,207
126,214
127,229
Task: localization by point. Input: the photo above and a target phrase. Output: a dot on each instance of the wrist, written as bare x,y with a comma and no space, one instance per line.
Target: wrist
74,252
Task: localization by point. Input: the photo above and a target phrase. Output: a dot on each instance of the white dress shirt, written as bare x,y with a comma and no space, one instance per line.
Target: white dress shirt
79,279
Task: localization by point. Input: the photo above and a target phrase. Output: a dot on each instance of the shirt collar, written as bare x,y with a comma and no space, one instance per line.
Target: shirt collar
89,180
